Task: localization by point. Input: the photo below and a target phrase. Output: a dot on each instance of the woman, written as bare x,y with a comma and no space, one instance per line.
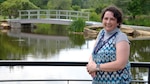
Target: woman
109,62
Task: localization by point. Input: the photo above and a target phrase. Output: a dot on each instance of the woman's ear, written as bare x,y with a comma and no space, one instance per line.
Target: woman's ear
118,25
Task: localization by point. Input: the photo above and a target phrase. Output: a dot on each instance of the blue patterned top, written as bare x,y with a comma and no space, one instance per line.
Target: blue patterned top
107,53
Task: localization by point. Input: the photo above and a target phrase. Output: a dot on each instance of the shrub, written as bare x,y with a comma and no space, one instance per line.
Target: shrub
77,25
94,17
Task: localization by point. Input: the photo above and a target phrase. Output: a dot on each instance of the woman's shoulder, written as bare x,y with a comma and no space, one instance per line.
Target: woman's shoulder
121,37
121,34
100,33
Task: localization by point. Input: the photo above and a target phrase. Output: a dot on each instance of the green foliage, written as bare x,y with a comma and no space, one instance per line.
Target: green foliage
50,29
76,8
77,2
10,7
95,3
59,4
42,29
122,5
77,25
94,17
135,4
1,1
98,10
40,3
77,39
140,48
140,21
1,17
11,45
138,7
88,10
100,4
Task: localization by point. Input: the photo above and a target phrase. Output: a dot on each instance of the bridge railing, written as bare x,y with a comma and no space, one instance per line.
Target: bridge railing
53,14
45,63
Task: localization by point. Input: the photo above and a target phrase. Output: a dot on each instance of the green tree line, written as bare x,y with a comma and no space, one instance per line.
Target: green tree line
130,8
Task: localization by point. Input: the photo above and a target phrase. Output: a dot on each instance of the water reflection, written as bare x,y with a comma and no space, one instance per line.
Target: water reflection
23,46
140,51
58,48
44,47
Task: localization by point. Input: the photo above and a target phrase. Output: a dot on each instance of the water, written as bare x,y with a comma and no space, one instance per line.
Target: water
31,47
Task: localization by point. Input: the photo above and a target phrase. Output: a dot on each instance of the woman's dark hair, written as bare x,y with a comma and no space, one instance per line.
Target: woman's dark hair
117,14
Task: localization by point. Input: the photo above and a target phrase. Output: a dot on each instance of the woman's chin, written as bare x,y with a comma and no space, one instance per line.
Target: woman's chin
108,29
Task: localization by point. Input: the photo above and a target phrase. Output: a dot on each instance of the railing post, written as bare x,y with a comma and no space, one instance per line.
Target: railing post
57,12
88,16
67,14
47,14
28,14
77,15
20,14
38,14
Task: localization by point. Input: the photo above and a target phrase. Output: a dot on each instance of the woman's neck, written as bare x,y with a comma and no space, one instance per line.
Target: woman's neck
111,32
108,34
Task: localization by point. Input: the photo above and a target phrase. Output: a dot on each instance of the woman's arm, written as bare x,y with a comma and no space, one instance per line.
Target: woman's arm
93,74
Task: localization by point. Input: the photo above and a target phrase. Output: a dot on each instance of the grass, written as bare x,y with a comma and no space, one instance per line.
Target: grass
1,17
139,21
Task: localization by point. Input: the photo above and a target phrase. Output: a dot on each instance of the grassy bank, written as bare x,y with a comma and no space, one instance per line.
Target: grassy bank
1,17
139,21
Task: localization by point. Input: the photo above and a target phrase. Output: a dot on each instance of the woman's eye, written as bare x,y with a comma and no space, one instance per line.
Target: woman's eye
112,19
105,18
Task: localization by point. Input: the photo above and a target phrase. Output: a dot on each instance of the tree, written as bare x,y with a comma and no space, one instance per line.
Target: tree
59,4
145,7
76,5
76,2
123,4
1,1
138,7
76,8
99,5
10,7
94,4
40,3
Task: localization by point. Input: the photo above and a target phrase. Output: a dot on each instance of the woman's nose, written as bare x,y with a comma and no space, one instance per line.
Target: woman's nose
108,21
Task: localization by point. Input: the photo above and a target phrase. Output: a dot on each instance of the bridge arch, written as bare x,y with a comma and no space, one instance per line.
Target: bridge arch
64,17
53,14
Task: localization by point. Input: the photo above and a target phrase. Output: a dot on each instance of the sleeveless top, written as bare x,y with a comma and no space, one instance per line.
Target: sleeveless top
104,52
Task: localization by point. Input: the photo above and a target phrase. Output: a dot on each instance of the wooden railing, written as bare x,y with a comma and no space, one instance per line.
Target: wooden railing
53,14
45,63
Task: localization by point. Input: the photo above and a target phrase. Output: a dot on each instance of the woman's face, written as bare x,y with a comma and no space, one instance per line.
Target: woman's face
109,21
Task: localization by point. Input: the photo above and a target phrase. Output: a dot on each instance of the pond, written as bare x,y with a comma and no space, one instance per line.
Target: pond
58,47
